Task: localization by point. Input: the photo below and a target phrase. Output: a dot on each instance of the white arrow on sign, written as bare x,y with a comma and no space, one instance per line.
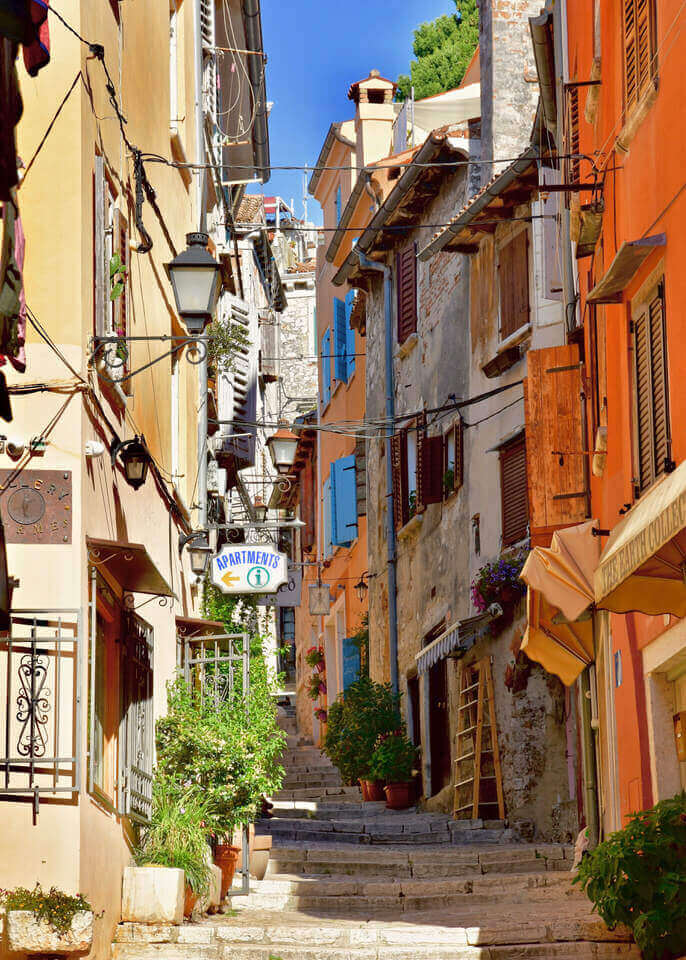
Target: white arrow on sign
241,569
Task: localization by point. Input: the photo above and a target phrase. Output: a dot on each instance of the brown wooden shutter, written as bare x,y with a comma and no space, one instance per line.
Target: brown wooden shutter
652,406
554,440
513,281
400,491
459,454
361,476
639,44
429,470
573,166
515,503
406,290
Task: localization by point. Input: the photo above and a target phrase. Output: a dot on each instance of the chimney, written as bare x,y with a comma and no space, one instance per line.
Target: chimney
374,116
508,98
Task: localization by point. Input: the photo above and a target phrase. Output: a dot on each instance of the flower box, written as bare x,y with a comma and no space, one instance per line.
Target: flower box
153,895
27,933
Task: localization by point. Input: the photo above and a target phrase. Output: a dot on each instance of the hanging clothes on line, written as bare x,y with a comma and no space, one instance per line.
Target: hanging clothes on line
37,52
12,300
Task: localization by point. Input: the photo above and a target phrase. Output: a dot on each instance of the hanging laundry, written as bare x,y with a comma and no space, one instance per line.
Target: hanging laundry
16,21
37,53
11,108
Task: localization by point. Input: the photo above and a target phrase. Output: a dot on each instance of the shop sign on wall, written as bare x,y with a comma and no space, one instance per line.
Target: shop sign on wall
36,506
260,569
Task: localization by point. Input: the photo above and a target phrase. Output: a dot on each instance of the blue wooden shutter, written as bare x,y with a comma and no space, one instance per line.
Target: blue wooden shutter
326,496
340,341
350,334
326,366
339,205
344,500
351,662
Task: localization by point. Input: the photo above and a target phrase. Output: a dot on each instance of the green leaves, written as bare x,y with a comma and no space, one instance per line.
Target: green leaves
118,276
443,48
355,720
55,908
638,877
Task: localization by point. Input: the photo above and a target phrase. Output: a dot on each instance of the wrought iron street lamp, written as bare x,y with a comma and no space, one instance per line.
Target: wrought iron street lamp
283,446
199,551
361,588
195,280
135,460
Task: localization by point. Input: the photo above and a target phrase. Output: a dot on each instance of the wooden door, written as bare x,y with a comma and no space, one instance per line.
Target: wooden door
439,727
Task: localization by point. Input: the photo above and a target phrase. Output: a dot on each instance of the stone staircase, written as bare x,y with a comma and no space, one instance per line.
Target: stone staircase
353,881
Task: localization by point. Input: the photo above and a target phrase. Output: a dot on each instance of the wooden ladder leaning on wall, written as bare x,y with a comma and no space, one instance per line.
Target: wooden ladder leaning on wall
478,777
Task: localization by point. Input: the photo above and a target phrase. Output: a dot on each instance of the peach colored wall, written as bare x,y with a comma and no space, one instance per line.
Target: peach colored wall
642,197
80,846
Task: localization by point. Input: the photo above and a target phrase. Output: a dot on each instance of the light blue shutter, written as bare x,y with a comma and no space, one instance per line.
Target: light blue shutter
339,205
326,496
344,500
350,334
326,366
351,662
340,341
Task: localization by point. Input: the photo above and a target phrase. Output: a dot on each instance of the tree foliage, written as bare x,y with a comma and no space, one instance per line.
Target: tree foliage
443,48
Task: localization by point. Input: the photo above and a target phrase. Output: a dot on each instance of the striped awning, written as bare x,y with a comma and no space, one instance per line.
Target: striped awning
460,637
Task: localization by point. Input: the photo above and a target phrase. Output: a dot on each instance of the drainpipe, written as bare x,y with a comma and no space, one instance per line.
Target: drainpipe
390,513
200,185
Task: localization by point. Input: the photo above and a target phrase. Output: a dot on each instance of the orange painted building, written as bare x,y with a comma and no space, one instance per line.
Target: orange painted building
621,113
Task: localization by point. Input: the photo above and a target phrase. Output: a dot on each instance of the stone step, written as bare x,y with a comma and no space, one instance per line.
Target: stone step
384,827
317,793
566,935
418,862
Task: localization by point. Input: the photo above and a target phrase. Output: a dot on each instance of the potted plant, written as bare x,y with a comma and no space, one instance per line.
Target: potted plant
412,503
321,714
355,720
47,923
315,659
177,837
637,878
448,482
226,856
393,761
499,582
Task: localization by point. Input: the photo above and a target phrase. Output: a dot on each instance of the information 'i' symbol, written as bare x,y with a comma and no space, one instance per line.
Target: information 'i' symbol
258,577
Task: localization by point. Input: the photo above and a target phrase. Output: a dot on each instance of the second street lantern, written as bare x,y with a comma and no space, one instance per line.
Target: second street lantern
195,279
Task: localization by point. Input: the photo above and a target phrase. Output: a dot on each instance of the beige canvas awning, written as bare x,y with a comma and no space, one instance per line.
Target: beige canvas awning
643,566
561,647
559,633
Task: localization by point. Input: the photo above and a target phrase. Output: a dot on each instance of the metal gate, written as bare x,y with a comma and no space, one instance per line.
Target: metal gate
219,667
137,724
40,686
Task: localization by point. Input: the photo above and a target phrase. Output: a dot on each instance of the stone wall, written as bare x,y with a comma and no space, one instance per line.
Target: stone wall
299,377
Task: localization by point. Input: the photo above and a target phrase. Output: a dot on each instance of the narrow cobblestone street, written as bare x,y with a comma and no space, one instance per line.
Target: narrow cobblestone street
349,880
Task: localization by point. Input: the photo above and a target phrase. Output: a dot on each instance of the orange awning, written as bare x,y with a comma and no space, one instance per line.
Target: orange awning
643,566
559,634
561,647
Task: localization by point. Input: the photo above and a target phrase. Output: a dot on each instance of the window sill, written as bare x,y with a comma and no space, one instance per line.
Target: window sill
515,338
636,118
407,346
411,528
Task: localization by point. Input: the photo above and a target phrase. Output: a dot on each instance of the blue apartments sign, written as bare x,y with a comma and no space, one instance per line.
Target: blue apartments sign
249,569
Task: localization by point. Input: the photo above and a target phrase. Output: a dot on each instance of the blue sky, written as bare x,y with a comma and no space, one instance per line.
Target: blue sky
316,49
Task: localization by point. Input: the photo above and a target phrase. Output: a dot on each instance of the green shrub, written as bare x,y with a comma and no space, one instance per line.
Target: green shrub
231,753
177,835
638,877
394,758
355,720
55,908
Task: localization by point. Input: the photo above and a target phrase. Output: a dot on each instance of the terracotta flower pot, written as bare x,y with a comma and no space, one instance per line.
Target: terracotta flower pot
364,787
397,796
226,857
509,594
375,790
189,902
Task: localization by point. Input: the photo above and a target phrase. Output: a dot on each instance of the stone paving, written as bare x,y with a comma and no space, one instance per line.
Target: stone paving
353,881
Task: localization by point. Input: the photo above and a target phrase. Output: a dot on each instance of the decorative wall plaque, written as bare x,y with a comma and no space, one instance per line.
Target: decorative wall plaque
36,506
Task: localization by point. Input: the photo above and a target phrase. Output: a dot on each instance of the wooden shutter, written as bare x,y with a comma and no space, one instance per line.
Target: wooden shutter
326,367
349,335
652,406
515,503
406,289
100,267
344,500
340,341
513,281
429,469
459,454
361,476
554,440
639,45
572,138
401,505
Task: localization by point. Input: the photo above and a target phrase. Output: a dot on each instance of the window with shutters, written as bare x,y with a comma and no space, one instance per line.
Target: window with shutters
453,460
653,433
572,135
430,454
326,367
513,491
344,501
361,476
404,462
513,284
406,292
640,65
326,533
340,341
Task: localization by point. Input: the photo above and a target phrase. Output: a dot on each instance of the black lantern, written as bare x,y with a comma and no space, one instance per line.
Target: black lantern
195,279
135,460
199,551
283,446
361,588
